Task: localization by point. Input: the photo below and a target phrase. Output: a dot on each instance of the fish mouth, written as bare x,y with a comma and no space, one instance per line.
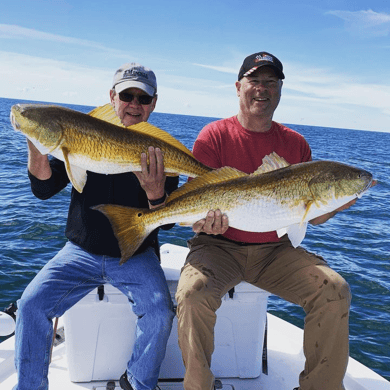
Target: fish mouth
370,183
15,124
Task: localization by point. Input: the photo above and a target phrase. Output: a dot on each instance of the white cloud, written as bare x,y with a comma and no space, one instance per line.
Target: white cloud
223,69
364,23
33,78
8,31
310,96
338,89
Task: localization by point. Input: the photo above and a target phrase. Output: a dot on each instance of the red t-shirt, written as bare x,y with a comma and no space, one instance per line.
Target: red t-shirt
227,143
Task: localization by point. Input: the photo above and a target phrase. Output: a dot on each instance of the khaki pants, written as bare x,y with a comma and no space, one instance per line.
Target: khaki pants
214,266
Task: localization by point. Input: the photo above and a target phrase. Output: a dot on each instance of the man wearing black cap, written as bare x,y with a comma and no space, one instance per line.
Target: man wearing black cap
263,259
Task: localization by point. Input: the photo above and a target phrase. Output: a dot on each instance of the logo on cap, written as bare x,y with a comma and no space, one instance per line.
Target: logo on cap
129,73
264,57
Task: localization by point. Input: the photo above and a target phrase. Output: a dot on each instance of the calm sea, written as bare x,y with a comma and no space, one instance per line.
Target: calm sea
356,243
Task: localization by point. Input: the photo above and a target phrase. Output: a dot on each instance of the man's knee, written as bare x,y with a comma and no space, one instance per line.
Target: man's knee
336,289
30,301
339,288
195,295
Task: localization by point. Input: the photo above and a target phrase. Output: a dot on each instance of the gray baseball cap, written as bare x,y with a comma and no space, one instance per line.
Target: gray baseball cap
133,75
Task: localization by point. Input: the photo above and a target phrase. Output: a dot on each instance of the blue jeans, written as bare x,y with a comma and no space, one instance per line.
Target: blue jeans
67,278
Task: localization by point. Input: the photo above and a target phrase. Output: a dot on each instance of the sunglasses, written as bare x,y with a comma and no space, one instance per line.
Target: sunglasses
127,97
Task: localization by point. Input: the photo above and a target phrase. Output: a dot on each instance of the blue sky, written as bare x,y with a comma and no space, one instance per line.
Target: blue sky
336,54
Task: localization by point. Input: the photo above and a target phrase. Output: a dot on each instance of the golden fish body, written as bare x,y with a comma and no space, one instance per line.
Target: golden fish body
98,142
282,199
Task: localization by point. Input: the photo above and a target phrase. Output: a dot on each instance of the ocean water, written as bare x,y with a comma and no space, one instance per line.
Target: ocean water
355,243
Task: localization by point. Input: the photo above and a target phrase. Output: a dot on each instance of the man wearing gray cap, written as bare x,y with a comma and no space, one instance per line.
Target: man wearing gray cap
91,255
134,82
263,259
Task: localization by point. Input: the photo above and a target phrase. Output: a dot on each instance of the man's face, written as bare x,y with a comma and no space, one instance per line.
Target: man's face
133,112
259,93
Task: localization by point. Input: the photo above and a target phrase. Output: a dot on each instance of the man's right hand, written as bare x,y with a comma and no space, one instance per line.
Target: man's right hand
214,223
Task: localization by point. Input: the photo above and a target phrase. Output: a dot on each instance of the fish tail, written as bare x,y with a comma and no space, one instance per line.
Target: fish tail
128,225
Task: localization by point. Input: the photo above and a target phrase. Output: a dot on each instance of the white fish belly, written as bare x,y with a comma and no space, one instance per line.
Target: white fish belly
272,215
264,217
103,167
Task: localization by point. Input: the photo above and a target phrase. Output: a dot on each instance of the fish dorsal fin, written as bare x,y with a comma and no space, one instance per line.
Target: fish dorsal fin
213,177
106,113
271,162
148,129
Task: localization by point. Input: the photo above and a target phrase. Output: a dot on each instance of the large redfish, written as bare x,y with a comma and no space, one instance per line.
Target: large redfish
98,142
277,197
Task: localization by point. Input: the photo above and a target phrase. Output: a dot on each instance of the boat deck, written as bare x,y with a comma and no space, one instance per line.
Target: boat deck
285,361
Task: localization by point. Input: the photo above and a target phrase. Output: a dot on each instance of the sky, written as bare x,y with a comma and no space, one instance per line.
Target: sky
335,53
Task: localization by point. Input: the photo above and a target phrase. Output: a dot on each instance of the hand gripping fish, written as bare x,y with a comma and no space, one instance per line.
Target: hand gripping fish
277,197
98,142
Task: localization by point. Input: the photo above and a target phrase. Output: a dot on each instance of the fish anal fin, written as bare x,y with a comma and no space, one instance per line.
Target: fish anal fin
213,177
271,162
77,175
296,233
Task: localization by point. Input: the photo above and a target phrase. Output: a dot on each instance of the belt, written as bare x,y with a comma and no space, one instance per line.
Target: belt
223,238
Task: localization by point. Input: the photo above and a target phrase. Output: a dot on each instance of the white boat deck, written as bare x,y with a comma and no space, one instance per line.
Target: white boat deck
285,358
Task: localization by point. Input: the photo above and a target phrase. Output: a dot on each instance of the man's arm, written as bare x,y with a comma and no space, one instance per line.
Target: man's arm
38,164
47,177
323,218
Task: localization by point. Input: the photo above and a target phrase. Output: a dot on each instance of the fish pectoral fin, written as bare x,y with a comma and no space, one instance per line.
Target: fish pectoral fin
296,233
77,175
309,204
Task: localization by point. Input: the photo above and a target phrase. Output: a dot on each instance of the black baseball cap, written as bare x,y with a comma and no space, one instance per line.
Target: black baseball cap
257,60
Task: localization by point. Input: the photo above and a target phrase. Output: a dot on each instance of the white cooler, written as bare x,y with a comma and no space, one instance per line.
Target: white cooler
100,334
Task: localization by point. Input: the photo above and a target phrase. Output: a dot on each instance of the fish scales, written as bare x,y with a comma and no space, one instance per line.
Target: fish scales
281,200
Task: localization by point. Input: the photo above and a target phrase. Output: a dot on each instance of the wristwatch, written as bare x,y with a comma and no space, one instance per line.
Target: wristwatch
156,202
